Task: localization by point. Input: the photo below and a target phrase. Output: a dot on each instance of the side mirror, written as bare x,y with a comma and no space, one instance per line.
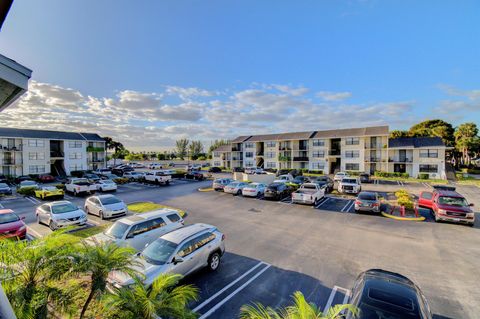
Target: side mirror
177,260
130,235
22,218
471,205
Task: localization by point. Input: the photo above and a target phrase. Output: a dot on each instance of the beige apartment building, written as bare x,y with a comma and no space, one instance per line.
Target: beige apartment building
367,149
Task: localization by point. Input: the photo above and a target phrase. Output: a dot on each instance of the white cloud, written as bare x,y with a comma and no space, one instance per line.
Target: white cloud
471,94
334,96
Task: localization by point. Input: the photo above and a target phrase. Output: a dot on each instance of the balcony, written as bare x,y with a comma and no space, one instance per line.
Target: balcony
373,159
54,154
236,158
285,148
95,149
300,159
400,160
236,149
284,158
7,162
374,146
97,160
334,152
17,148
259,153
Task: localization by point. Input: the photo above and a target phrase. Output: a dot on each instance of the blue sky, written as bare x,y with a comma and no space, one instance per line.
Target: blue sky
150,72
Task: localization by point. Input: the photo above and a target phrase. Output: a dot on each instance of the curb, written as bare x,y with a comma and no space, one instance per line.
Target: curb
412,219
207,189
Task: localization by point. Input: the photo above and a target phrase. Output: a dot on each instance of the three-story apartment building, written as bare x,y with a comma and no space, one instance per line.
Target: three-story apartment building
365,149
32,152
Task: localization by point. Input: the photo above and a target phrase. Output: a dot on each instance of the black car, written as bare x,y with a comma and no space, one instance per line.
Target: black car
5,189
300,180
195,174
214,169
239,169
20,179
323,181
118,171
92,177
379,293
3,179
277,191
365,178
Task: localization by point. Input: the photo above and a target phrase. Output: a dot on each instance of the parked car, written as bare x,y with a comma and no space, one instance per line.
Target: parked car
214,170
239,169
11,225
325,181
46,178
141,229
219,183
5,189
196,167
339,176
254,189
182,251
106,185
349,185
195,174
20,179
3,179
136,165
48,192
254,170
102,171
277,191
158,177
60,214
134,176
118,171
105,206
445,187
379,293
80,185
27,183
284,179
109,176
308,193
155,166
92,178
447,206
235,187
365,178
367,202
299,180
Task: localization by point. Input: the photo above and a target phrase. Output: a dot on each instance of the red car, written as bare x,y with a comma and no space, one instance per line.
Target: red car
447,205
46,178
11,225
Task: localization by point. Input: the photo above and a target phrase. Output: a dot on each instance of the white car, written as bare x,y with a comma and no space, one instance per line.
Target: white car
284,179
254,170
141,229
254,189
105,206
235,188
80,185
155,166
25,184
350,185
339,176
60,214
134,176
308,193
106,185
102,171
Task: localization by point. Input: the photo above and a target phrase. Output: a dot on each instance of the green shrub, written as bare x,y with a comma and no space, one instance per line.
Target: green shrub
120,180
407,202
315,171
401,192
27,191
423,176
388,174
353,173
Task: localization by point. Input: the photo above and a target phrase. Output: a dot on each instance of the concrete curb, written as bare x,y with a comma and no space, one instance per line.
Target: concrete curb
412,219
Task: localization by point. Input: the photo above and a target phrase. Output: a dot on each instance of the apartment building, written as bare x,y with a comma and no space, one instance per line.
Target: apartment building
365,149
32,152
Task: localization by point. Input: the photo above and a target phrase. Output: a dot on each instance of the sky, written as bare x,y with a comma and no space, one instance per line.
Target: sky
150,72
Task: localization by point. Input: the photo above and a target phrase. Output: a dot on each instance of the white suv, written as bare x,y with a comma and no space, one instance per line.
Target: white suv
182,251
141,229
105,206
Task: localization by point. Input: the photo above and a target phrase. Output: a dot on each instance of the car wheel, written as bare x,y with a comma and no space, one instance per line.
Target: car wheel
239,193
75,193
214,261
52,225
100,214
167,182
357,211
38,220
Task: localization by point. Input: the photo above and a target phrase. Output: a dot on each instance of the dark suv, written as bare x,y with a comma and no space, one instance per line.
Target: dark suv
277,191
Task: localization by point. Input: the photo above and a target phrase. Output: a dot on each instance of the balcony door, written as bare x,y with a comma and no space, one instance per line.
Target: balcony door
402,155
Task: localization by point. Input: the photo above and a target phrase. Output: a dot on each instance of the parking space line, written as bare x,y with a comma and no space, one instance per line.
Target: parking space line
1,206
236,291
32,200
200,306
67,196
346,292
326,200
348,204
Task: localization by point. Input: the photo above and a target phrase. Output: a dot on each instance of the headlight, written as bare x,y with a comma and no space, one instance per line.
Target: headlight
61,220
442,211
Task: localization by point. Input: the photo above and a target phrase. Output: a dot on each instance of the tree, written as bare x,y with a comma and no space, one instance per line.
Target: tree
98,260
181,148
134,157
195,149
466,140
437,127
119,150
398,134
301,309
216,144
164,298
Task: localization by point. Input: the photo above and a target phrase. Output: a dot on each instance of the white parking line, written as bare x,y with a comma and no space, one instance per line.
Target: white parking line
236,291
67,196
328,198
343,209
32,200
1,206
200,306
346,292
349,207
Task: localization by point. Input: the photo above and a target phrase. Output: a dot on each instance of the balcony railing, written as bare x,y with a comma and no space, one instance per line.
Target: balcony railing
97,160
285,148
400,160
7,162
259,153
284,158
95,149
235,158
17,148
300,159
236,149
334,152
374,159
56,154
375,145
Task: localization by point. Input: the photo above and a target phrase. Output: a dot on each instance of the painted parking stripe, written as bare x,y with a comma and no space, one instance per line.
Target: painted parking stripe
346,292
344,207
67,197
203,304
1,206
32,200
352,203
326,200
236,291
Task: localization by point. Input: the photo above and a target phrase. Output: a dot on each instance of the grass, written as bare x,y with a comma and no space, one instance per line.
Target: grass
475,182
143,207
313,174
87,232
413,180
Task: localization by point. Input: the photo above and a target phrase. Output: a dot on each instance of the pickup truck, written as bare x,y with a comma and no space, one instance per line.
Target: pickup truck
158,177
447,205
79,186
349,185
308,193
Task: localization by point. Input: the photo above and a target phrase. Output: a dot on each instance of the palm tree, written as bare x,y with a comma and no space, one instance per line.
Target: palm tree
301,309
164,298
98,260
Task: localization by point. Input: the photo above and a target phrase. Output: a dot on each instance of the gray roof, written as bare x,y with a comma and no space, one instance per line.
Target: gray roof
223,148
361,131
281,136
53,135
415,142
240,139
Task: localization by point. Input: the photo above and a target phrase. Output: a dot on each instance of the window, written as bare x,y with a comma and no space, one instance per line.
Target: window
318,154
202,240
186,248
429,153
352,141
75,144
318,142
216,154
75,155
270,154
173,218
249,164
271,144
217,164
76,167
36,143
352,167
271,165
36,156
249,154
318,166
156,223
248,145
36,169
352,154
426,195
140,228
426,168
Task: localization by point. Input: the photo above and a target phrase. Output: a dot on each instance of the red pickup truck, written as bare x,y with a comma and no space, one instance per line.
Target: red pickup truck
447,205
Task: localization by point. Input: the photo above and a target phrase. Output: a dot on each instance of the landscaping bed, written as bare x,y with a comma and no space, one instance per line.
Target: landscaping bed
143,207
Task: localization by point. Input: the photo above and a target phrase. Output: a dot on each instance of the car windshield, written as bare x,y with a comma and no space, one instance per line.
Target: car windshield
454,201
63,208
367,196
80,181
349,180
107,181
8,218
117,230
28,183
159,252
110,200
3,185
50,188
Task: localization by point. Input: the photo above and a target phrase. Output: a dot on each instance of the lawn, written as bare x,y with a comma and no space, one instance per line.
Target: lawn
87,232
411,179
143,207
475,182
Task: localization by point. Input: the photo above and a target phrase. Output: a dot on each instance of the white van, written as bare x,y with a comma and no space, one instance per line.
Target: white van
139,230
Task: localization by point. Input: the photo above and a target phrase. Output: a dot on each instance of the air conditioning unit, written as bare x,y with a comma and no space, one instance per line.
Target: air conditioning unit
434,175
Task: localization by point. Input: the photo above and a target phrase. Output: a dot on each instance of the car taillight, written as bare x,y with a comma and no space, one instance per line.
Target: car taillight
375,204
78,188
223,237
357,202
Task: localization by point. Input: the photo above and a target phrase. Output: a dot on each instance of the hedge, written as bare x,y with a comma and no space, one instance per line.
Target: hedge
471,170
121,180
27,191
387,174
423,176
404,199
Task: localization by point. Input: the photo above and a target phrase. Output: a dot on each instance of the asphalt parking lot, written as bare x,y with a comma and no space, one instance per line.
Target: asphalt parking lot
276,248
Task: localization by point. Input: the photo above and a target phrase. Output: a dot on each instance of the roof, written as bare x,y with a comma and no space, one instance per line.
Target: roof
53,135
148,215
177,236
448,193
224,148
415,142
240,139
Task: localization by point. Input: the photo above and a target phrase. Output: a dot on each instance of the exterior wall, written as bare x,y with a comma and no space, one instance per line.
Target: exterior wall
249,148
358,150
95,158
270,154
32,152
318,154
11,156
75,156
439,161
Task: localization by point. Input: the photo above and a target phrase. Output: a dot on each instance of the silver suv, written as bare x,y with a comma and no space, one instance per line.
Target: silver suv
181,251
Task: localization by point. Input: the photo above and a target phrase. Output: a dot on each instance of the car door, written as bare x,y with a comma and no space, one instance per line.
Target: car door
193,256
43,213
97,206
158,228
425,199
138,235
